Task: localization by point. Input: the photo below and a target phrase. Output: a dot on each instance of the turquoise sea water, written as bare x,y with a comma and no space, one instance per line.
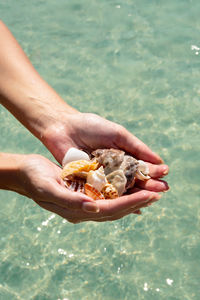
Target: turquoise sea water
136,63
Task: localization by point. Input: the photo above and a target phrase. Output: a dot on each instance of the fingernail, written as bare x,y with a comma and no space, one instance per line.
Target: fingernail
166,190
90,207
154,198
165,186
166,171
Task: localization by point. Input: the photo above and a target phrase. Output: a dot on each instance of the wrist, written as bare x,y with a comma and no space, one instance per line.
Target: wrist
10,170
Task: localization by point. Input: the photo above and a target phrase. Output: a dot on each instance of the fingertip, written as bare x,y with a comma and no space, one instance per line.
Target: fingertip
165,170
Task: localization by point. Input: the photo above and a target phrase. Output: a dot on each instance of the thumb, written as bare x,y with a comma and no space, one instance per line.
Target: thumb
72,200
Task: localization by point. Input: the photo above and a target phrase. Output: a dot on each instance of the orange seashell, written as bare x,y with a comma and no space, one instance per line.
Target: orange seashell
92,192
109,191
76,185
72,169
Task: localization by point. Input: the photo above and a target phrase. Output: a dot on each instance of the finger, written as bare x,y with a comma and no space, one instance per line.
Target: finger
157,171
153,185
122,214
133,190
133,145
111,207
75,216
73,200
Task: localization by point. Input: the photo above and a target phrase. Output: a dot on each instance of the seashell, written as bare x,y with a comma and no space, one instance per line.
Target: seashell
116,174
129,167
73,168
118,179
76,185
97,178
111,159
92,192
74,154
142,171
109,191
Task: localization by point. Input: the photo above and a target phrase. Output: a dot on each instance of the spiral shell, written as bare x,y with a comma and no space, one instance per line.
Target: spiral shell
109,191
97,179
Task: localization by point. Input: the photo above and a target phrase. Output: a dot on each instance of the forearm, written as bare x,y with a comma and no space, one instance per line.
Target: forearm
22,91
10,171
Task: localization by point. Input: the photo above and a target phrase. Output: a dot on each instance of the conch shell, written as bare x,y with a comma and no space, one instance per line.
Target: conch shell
97,179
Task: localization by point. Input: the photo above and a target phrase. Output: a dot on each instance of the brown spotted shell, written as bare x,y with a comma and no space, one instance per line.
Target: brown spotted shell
109,191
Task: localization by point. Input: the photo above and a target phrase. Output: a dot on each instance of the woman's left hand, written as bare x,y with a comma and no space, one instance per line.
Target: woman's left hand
89,131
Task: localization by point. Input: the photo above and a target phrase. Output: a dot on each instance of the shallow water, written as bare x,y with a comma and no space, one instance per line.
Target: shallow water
136,63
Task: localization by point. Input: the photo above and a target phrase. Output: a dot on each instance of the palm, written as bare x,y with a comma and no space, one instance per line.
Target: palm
95,132
38,175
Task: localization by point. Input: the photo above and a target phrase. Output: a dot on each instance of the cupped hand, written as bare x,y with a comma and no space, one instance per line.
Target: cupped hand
40,180
89,132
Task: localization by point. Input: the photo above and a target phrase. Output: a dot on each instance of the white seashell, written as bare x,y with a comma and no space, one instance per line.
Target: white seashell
74,154
142,171
97,179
